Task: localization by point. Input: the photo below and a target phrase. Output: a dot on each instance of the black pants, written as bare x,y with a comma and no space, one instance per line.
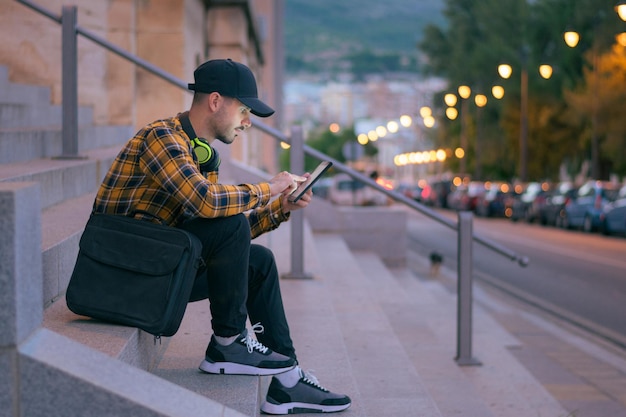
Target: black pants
240,280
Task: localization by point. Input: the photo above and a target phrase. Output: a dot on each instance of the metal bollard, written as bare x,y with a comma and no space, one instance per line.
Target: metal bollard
70,84
464,291
297,217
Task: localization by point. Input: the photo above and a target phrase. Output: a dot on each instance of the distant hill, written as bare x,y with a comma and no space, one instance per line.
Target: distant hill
358,36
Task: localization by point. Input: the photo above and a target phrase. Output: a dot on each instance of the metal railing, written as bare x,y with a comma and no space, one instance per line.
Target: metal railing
70,31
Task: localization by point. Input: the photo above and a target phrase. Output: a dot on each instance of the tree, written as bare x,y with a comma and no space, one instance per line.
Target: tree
602,92
478,36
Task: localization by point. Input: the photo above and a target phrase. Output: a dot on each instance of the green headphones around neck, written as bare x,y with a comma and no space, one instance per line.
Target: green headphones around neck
208,158
202,149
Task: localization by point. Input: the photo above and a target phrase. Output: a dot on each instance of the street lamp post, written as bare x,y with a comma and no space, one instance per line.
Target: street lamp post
464,93
505,72
523,135
595,145
481,101
571,39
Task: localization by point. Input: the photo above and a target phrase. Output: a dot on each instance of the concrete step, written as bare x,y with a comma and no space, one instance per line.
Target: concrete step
185,350
62,179
38,114
427,325
24,105
383,380
14,93
27,144
22,145
315,316
424,325
60,377
127,344
61,228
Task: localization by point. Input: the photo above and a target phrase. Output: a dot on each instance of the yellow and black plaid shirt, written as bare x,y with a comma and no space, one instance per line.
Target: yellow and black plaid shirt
157,172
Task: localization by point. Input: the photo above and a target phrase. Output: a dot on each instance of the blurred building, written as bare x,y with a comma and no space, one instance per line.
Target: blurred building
365,106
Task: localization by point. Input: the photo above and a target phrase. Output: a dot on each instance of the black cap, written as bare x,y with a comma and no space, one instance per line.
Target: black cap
230,79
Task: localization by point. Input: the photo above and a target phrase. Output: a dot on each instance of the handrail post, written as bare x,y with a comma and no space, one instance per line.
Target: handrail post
464,291
70,83
296,161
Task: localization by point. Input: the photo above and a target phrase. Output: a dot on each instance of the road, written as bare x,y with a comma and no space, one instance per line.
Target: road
579,277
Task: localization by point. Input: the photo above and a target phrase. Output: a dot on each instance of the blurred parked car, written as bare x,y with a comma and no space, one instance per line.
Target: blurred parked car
552,212
583,211
465,197
436,193
475,190
534,211
527,205
453,201
613,216
491,202
414,192
511,197
349,192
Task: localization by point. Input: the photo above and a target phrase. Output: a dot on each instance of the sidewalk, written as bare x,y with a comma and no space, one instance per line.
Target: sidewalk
587,376
387,338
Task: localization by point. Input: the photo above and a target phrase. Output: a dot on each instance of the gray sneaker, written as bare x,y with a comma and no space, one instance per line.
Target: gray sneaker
307,396
245,356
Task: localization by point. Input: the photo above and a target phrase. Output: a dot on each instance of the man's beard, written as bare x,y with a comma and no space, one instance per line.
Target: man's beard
222,138
220,130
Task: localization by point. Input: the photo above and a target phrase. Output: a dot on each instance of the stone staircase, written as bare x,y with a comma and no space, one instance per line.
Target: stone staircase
53,362
380,334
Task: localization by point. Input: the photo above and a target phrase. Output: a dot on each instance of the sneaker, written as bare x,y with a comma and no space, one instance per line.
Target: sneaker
307,396
245,356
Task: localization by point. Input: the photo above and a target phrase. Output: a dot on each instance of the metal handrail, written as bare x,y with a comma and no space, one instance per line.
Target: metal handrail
463,226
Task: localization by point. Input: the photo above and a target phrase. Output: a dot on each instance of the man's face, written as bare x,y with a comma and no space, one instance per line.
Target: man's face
232,118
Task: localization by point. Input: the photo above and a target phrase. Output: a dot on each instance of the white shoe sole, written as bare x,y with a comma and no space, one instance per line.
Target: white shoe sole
229,368
288,408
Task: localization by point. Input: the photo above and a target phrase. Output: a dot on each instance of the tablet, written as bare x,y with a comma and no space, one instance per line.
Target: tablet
306,185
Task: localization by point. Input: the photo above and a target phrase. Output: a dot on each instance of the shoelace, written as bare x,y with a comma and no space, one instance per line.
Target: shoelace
253,344
310,379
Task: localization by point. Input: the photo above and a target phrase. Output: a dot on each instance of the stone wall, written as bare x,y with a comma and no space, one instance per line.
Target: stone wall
172,35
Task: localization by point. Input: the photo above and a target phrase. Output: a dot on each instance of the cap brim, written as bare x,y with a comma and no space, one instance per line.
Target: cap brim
257,107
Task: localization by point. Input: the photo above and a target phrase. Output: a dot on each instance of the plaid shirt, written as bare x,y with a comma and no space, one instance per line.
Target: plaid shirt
158,172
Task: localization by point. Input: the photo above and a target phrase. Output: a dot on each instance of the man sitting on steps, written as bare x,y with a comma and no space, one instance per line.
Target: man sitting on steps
168,170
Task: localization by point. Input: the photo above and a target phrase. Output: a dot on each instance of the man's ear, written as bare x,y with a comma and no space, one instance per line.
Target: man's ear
214,101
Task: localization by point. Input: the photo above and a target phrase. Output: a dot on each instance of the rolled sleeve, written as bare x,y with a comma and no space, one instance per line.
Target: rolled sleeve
267,218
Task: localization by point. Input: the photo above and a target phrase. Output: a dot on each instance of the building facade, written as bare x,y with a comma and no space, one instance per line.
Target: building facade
174,35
